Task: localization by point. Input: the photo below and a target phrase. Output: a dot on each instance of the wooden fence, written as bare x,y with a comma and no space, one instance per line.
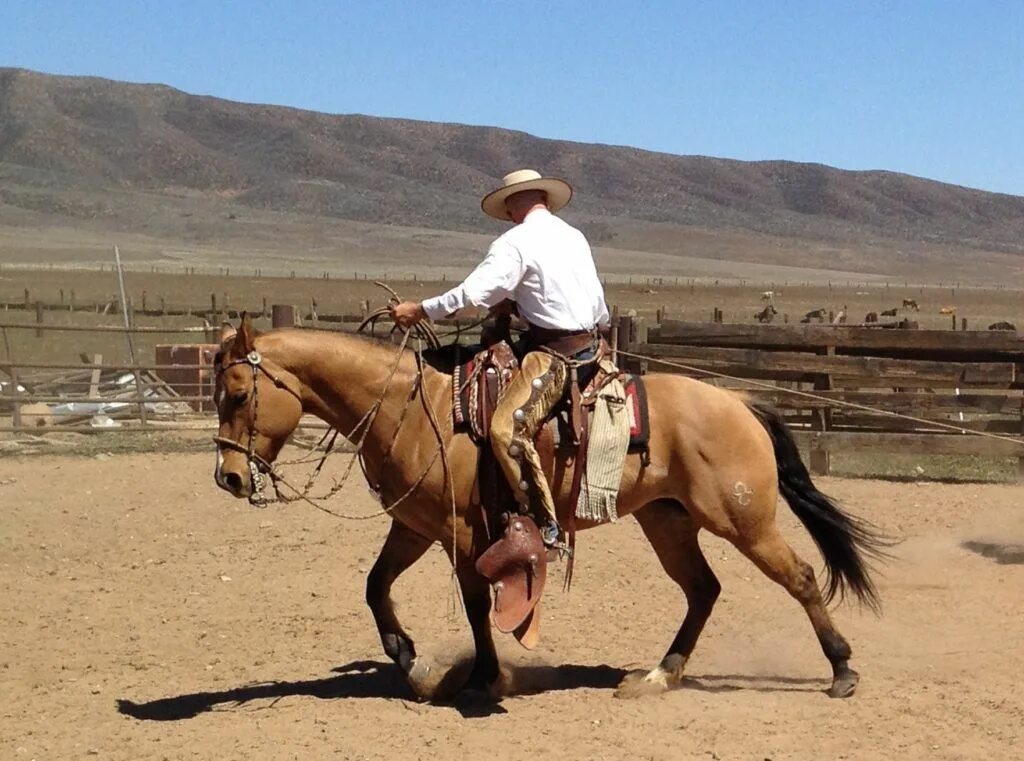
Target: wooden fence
969,379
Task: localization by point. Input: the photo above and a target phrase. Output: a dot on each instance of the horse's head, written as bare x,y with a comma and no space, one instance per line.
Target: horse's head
259,404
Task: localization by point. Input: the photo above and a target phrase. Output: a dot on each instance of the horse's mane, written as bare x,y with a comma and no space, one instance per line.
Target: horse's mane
443,359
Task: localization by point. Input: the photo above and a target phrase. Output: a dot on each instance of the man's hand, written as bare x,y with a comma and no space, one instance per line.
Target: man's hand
407,314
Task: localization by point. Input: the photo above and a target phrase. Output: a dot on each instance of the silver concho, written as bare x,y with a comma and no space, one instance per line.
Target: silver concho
537,382
514,450
523,486
519,415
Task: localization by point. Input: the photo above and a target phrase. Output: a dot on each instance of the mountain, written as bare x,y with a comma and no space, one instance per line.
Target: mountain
87,151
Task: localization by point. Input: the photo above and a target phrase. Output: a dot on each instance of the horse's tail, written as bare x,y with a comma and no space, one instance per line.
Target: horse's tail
846,542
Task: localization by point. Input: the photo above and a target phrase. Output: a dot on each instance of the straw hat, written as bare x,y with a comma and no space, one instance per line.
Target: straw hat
559,192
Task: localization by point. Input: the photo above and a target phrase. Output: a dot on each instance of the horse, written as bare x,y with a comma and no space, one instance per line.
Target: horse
717,462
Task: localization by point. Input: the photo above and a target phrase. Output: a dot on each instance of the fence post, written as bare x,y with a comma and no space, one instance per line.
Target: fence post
624,340
1020,458
94,380
637,339
282,316
39,318
12,372
821,420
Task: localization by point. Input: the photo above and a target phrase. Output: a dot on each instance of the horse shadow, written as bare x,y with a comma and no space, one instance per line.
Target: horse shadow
371,679
376,679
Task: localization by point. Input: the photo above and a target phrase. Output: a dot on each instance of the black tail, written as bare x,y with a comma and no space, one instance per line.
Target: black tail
843,539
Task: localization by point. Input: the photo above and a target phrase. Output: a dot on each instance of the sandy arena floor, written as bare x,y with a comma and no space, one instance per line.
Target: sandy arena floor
148,616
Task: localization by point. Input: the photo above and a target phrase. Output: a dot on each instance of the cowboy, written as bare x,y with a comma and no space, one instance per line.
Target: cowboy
546,267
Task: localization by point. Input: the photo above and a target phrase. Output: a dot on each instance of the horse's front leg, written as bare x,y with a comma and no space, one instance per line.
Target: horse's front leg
401,549
476,594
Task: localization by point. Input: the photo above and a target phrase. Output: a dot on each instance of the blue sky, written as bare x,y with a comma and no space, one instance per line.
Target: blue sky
930,88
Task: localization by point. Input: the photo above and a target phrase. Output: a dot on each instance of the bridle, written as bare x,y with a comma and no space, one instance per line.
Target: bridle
259,467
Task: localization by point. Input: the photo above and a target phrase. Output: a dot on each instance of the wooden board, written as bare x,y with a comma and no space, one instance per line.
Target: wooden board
810,337
918,443
911,403
792,365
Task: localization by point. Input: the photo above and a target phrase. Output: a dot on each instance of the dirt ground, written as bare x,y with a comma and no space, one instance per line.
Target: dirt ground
148,616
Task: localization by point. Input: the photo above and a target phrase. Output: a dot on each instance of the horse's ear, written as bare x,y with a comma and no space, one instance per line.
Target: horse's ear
227,332
245,338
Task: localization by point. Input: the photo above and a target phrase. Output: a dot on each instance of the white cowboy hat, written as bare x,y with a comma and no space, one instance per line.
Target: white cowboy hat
559,192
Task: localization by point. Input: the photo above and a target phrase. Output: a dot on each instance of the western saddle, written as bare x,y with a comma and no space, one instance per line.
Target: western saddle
515,562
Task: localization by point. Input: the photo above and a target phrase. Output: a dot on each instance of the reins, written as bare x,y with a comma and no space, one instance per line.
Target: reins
261,469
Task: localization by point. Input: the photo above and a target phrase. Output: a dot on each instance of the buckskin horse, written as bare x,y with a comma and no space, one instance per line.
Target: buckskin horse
717,462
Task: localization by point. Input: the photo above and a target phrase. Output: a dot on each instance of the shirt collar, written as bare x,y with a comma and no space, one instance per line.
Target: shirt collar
538,214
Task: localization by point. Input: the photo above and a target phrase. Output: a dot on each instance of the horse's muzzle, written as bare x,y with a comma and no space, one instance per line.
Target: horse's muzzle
238,483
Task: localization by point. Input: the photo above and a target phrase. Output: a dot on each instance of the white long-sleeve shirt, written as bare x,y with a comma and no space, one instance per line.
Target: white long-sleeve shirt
543,264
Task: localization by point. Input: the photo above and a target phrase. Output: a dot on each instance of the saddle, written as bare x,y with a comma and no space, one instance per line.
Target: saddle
516,560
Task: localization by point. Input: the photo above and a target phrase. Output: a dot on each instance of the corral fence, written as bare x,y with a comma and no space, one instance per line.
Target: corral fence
973,380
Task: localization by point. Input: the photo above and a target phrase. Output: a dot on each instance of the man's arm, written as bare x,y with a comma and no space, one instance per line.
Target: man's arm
494,280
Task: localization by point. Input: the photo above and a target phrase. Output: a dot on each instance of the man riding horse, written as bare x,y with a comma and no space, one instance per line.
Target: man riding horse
546,267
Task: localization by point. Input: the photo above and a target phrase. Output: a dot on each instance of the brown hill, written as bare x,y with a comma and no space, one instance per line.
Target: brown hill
75,148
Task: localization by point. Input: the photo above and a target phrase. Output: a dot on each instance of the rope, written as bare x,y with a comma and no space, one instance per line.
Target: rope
818,397
424,333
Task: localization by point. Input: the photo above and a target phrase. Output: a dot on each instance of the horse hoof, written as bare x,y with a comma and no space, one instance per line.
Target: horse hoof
844,684
502,685
639,684
423,678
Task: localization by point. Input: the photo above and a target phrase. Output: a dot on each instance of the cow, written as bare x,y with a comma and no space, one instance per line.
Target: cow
910,304
768,297
947,310
814,314
767,314
1002,325
890,312
871,317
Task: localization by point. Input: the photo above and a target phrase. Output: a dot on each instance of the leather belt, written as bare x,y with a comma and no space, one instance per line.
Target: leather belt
565,342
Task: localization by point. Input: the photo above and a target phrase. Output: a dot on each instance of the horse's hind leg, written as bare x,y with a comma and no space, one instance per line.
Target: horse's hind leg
776,559
673,535
401,549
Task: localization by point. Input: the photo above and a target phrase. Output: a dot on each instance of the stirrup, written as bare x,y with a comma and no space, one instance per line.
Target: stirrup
551,534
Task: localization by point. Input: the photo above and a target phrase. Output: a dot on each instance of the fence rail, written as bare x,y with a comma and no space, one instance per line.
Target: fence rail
971,379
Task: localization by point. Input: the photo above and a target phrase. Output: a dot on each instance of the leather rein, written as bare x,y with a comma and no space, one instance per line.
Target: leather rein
261,469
